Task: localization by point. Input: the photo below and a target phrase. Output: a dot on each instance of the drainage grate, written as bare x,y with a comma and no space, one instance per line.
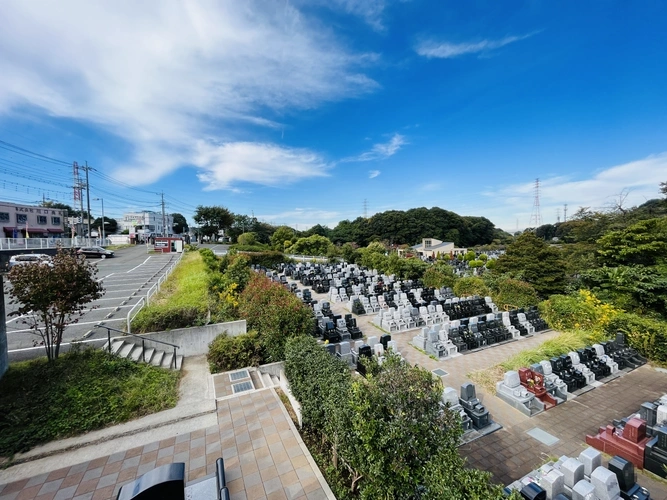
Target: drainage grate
542,436
239,375
440,372
242,387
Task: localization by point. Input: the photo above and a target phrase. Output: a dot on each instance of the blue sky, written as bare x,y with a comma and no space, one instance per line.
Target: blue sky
298,111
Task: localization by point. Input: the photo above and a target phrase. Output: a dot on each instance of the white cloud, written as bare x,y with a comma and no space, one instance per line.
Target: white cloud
305,218
164,75
640,178
380,151
268,164
446,50
372,174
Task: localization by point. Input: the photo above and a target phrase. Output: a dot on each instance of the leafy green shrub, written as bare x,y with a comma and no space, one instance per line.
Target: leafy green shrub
469,255
229,353
514,293
275,313
257,247
164,317
247,239
471,285
491,264
210,259
439,276
191,247
647,335
77,393
268,259
475,263
581,310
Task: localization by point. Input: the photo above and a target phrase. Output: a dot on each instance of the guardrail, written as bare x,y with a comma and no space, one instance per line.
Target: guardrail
143,343
151,291
45,243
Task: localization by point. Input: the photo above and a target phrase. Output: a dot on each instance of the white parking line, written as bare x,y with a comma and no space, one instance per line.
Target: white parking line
147,258
98,322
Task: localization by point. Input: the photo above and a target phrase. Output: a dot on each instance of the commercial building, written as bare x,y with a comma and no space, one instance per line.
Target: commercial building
38,222
147,224
432,248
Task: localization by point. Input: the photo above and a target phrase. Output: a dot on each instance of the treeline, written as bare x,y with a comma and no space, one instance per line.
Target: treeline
393,227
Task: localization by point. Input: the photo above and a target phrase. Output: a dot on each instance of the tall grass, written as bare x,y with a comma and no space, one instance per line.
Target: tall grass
183,300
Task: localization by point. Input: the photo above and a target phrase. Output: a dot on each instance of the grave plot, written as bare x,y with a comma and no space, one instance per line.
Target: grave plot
582,478
548,383
640,438
475,418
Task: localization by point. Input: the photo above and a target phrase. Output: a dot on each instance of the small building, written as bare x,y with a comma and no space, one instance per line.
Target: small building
147,224
37,222
432,248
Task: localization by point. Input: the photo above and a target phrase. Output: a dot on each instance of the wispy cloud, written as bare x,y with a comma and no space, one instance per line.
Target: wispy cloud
268,164
164,76
447,50
380,151
431,186
372,174
305,218
640,178
371,11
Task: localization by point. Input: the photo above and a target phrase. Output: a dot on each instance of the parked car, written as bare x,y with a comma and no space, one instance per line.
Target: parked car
100,252
29,258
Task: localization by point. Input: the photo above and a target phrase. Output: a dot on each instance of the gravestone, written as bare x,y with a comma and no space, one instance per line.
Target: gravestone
625,474
512,392
472,406
553,483
606,484
592,459
583,490
655,454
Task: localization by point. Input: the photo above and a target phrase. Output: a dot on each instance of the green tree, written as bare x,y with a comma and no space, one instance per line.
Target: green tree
48,297
247,239
470,255
349,253
180,223
311,245
513,293
438,276
643,243
110,227
470,285
280,236
530,259
319,230
213,219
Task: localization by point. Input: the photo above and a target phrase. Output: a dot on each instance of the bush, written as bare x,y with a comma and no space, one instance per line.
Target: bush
439,276
275,313
647,335
258,247
511,293
247,239
77,393
581,310
230,353
475,263
164,317
471,286
268,259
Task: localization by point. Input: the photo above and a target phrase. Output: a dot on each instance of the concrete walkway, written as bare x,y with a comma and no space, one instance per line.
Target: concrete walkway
264,455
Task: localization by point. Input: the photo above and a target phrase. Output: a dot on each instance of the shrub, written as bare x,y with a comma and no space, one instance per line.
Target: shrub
647,335
514,293
164,317
247,239
581,310
275,313
439,276
268,259
475,263
211,261
229,353
471,286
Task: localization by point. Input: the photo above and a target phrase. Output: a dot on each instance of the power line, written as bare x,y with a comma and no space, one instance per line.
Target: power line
26,152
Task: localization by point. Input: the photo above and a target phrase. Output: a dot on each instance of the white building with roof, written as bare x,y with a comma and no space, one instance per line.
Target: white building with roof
147,223
432,247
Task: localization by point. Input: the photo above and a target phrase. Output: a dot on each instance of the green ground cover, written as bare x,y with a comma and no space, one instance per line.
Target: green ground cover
41,401
183,300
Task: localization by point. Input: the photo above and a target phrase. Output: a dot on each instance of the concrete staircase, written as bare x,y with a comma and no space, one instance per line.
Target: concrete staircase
129,350
269,380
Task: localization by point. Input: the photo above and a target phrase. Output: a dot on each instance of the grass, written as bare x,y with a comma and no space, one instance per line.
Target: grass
119,247
183,300
77,393
562,344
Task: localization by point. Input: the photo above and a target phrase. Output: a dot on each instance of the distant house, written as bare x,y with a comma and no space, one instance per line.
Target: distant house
431,247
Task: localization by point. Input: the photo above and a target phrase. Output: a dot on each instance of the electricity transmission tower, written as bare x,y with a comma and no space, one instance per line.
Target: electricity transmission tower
536,216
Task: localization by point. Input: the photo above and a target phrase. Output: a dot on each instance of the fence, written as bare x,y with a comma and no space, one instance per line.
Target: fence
151,291
46,243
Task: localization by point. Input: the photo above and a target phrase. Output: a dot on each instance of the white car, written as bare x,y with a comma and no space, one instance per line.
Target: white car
29,258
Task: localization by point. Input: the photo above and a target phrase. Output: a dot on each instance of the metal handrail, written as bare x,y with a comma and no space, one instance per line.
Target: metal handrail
143,343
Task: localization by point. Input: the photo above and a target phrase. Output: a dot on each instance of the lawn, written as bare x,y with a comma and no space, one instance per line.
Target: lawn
79,392
183,300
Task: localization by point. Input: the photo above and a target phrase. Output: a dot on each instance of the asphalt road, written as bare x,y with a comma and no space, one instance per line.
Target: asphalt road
127,277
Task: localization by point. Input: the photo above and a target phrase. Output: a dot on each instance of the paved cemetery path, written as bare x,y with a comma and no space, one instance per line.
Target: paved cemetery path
510,453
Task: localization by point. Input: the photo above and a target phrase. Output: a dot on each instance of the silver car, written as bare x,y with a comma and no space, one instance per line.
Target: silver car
29,258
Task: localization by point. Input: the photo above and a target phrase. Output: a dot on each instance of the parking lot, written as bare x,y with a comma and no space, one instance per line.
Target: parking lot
127,277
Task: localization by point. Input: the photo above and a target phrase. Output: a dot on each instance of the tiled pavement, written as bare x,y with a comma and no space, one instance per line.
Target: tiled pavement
264,459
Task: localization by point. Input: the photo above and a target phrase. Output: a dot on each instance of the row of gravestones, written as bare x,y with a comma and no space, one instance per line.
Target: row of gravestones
353,354
640,438
549,383
582,478
474,415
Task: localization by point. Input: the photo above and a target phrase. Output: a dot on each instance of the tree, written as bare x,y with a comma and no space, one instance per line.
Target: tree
530,259
247,239
438,276
281,235
110,227
471,285
213,219
51,296
180,223
350,254
312,245
318,229
642,243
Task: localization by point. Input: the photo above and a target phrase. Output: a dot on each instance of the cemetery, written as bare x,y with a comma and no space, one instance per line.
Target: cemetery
548,383
581,478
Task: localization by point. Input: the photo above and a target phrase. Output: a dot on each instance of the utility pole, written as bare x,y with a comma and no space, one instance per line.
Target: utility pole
164,227
365,209
86,168
565,213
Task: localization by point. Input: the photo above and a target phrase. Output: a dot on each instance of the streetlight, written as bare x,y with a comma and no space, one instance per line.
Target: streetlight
103,221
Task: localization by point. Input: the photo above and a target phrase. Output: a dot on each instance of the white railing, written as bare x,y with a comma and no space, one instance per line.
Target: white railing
46,243
151,291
